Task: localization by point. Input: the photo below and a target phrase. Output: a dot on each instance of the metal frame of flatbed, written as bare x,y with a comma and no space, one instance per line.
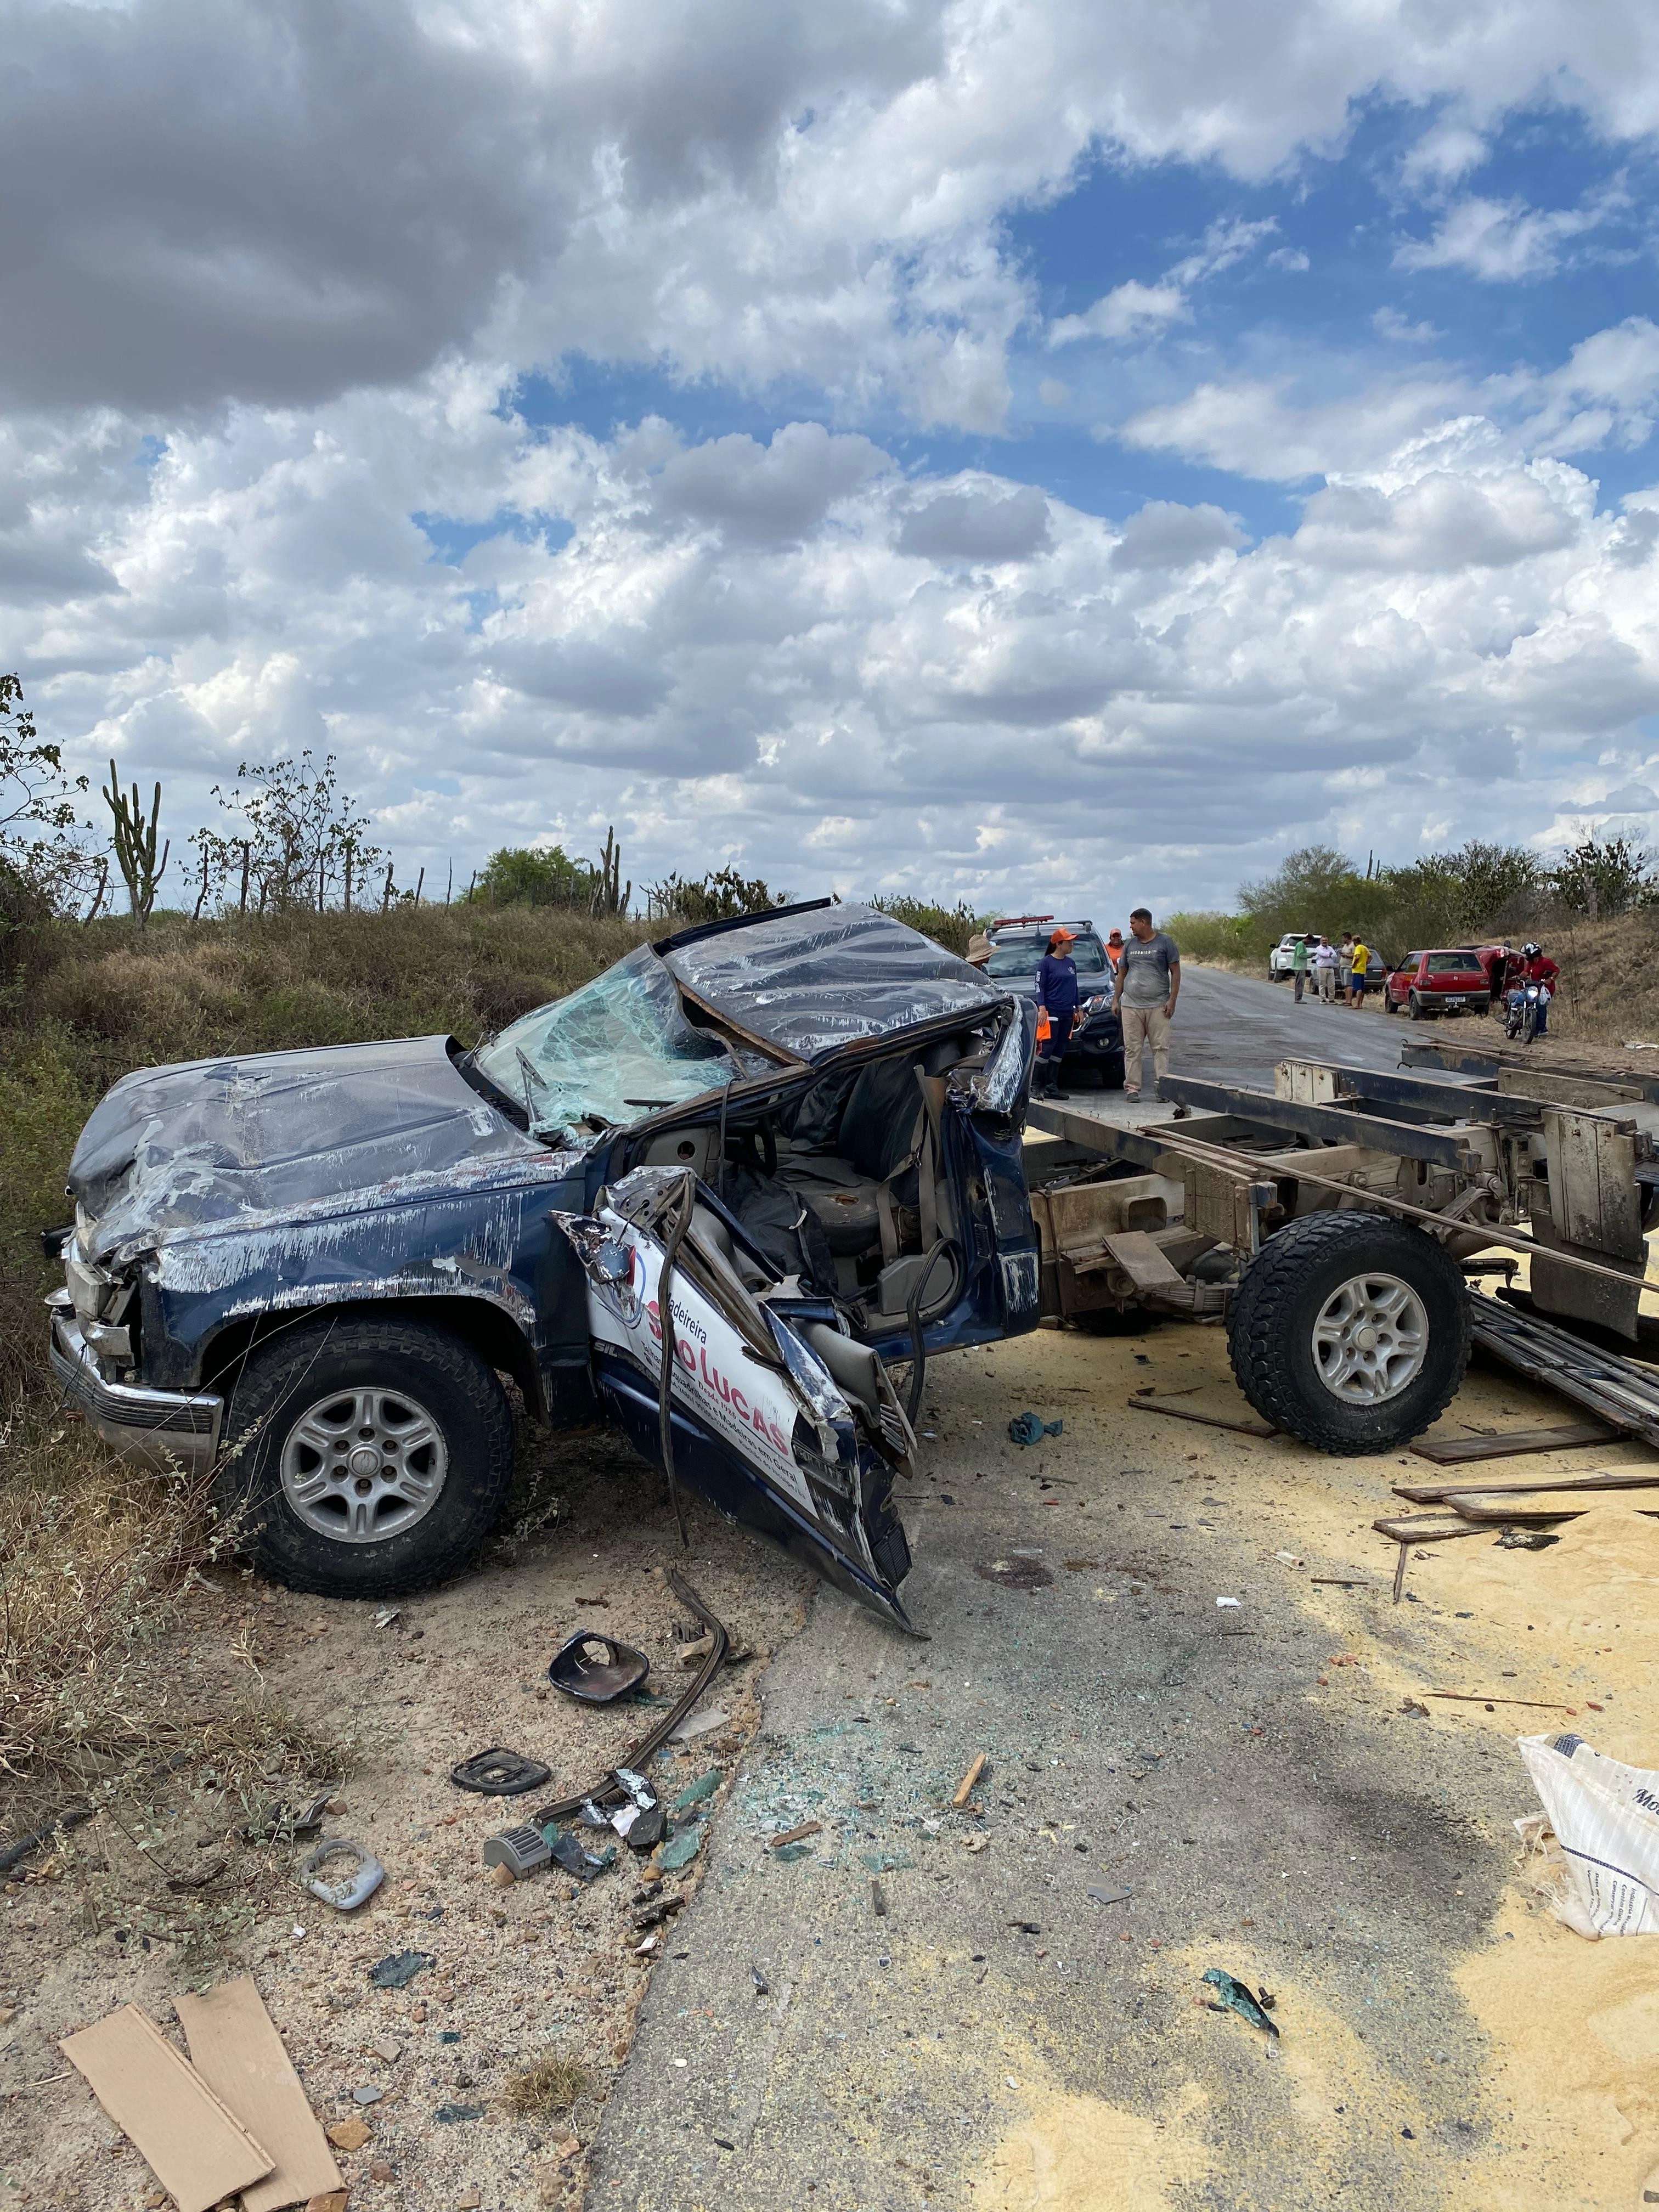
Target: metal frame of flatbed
1252,1159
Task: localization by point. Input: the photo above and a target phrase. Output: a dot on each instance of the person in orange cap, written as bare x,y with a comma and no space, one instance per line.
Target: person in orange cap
1115,949
1057,997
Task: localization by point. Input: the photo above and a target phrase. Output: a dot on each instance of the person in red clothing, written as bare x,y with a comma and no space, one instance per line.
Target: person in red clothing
1532,965
1537,967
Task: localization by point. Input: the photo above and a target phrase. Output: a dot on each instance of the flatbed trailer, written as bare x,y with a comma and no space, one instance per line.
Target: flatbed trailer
1328,1222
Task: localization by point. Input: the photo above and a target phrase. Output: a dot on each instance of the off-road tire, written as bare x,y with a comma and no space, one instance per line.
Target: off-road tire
1281,1293
446,1378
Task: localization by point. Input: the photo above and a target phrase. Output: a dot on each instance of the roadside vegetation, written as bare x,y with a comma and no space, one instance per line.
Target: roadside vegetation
279,926
1597,909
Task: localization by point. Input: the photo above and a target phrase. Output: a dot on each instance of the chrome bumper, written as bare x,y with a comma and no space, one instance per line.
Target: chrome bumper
156,1428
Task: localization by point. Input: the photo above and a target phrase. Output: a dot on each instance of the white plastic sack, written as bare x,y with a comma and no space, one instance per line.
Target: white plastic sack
1606,1817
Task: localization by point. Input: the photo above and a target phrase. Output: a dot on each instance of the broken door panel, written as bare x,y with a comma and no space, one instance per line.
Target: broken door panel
759,1424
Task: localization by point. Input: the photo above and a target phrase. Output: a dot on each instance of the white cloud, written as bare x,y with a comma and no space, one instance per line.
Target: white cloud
1389,323
1449,149
1506,241
811,663
1133,310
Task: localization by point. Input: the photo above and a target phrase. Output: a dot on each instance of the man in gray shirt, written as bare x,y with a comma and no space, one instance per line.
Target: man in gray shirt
1148,985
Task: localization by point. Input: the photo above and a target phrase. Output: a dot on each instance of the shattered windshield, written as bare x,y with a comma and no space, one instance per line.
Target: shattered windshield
612,1053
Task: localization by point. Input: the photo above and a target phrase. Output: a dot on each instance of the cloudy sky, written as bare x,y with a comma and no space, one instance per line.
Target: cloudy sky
1032,453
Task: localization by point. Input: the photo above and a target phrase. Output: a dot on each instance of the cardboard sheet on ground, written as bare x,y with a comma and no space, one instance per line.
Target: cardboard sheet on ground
237,2051
196,2150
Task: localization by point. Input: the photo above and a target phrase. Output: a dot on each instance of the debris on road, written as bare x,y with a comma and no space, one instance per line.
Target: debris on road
1602,1813
195,2147
574,1857
703,1723
797,1834
399,1970
596,1670
1235,1996
350,1888
965,1788
1030,1429
498,1773
1141,1403
521,1851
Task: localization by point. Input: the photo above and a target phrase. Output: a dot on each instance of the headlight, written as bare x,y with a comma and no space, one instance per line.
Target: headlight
1100,1004
91,1291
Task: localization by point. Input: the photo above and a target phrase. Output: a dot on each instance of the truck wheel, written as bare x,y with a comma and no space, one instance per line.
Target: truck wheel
365,1457
1349,1332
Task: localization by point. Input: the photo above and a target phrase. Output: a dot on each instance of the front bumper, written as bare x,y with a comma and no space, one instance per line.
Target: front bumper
158,1428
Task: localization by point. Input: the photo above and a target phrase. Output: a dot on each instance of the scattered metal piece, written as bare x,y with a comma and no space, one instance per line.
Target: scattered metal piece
653,1915
610,1789
352,1887
1235,1996
878,1898
397,1971
520,1850
595,1669
566,1851
386,1615
762,1987
498,1773
367,2092
1027,1927
1107,1896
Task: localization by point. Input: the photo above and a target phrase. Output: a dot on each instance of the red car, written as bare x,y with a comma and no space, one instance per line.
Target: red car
1452,980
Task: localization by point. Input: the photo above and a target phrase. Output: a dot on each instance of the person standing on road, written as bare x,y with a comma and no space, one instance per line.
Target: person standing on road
1359,963
1148,985
979,950
1056,995
1115,949
1299,966
1324,961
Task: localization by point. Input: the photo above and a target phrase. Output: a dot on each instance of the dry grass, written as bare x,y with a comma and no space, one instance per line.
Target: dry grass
551,2085
95,1559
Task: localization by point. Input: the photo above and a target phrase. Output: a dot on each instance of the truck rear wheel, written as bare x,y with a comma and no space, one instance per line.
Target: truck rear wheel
366,1457
1349,1332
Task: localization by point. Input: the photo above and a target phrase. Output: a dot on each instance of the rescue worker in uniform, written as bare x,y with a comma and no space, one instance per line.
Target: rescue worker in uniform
1057,996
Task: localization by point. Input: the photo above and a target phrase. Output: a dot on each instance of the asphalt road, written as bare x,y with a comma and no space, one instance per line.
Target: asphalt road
994,2037
1238,1027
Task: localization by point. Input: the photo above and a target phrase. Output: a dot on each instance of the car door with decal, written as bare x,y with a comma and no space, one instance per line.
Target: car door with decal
777,1416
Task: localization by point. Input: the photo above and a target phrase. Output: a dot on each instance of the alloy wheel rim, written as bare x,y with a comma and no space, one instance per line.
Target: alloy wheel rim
1370,1339
360,1466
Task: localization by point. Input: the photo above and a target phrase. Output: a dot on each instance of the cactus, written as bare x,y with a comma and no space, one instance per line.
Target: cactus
134,844
610,894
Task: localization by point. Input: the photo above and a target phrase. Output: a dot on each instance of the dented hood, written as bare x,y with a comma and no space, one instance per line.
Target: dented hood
210,1142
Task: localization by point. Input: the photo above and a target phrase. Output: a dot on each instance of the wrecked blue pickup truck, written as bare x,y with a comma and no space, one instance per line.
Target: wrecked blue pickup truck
316,1274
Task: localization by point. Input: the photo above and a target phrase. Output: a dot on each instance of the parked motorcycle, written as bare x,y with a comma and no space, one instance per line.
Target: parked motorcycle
1524,1010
